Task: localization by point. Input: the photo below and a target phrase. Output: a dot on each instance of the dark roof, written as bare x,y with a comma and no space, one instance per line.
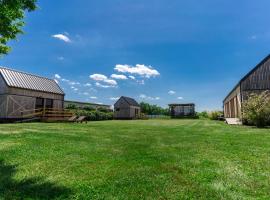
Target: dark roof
130,101
24,80
248,74
182,104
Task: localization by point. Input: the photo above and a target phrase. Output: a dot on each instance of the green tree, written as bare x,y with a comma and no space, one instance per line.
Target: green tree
256,110
11,20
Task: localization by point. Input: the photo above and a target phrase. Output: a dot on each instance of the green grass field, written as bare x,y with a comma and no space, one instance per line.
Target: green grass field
152,159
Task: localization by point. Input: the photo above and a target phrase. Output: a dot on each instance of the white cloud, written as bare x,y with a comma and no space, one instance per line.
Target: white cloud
114,98
180,98
62,37
98,77
61,58
93,97
171,92
57,76
141,82
104,86
86,93
73,83
74,88
103,78
132,77
253,37
87,85
145,97
119,76
142,70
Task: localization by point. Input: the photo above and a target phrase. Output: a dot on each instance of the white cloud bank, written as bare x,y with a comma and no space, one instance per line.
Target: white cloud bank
62,37
180,98
142,70
119,76
114,98
104,79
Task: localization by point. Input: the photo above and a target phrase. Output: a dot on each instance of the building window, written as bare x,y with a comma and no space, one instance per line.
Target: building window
39,103
49,103
117,109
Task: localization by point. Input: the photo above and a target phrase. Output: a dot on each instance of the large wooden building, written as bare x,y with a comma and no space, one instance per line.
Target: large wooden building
182,110
126,108
22,93
256,81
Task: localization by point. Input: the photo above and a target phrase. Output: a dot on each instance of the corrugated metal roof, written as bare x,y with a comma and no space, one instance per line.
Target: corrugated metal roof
24,80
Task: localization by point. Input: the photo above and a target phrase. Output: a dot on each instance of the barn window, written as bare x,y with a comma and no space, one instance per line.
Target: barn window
49,103
39,103
117,109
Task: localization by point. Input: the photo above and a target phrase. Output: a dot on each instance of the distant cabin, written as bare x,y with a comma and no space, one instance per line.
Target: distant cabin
256,81
82,105
182,110
126,108
21,93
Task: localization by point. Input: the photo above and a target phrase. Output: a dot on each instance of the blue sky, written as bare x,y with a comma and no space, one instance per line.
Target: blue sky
165,51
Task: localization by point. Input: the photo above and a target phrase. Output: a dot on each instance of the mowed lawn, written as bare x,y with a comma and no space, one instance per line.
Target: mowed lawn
152,159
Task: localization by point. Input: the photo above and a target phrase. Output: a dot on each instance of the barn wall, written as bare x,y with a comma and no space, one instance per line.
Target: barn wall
3,106
3,86
32,93
258,79
132,113
123,113
232,104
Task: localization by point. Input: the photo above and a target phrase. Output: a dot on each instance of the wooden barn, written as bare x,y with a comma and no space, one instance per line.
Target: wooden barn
22,94
256,81
126,108
182,110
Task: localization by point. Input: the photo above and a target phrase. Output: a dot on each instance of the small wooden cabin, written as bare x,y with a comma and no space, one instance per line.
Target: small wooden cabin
182,110
256,81
22,93
126,108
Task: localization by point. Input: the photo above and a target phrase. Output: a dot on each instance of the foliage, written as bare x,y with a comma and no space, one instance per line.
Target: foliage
71,107
11,20
202,115
256,110
95,115
149,109
215,115
143,159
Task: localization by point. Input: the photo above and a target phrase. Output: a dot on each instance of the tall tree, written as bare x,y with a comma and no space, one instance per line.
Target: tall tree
11,20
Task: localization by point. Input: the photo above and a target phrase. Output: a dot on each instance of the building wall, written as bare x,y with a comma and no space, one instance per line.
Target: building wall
232,104
3,86
16,103
182,110
122,110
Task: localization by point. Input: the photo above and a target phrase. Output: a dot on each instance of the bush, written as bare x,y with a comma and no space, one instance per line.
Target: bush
202,115
71,107
95,115
256,110
215,115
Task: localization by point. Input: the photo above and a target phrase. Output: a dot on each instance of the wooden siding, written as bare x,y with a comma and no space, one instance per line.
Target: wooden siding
122,110
259,79
232,104
3,85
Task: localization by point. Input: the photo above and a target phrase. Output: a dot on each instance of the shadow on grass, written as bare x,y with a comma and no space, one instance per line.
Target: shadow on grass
31,188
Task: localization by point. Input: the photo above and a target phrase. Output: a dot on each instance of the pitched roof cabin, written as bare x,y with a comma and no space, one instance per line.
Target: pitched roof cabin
126,108
21,93
256,81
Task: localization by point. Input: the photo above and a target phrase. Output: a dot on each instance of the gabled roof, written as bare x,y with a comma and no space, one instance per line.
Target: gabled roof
28,81
130,101
248,74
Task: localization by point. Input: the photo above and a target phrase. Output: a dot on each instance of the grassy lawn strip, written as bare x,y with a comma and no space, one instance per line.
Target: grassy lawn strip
152,159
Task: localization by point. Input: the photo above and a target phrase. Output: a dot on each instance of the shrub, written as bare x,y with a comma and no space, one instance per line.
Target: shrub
202,115
215,115
71,106
95,115
256,110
